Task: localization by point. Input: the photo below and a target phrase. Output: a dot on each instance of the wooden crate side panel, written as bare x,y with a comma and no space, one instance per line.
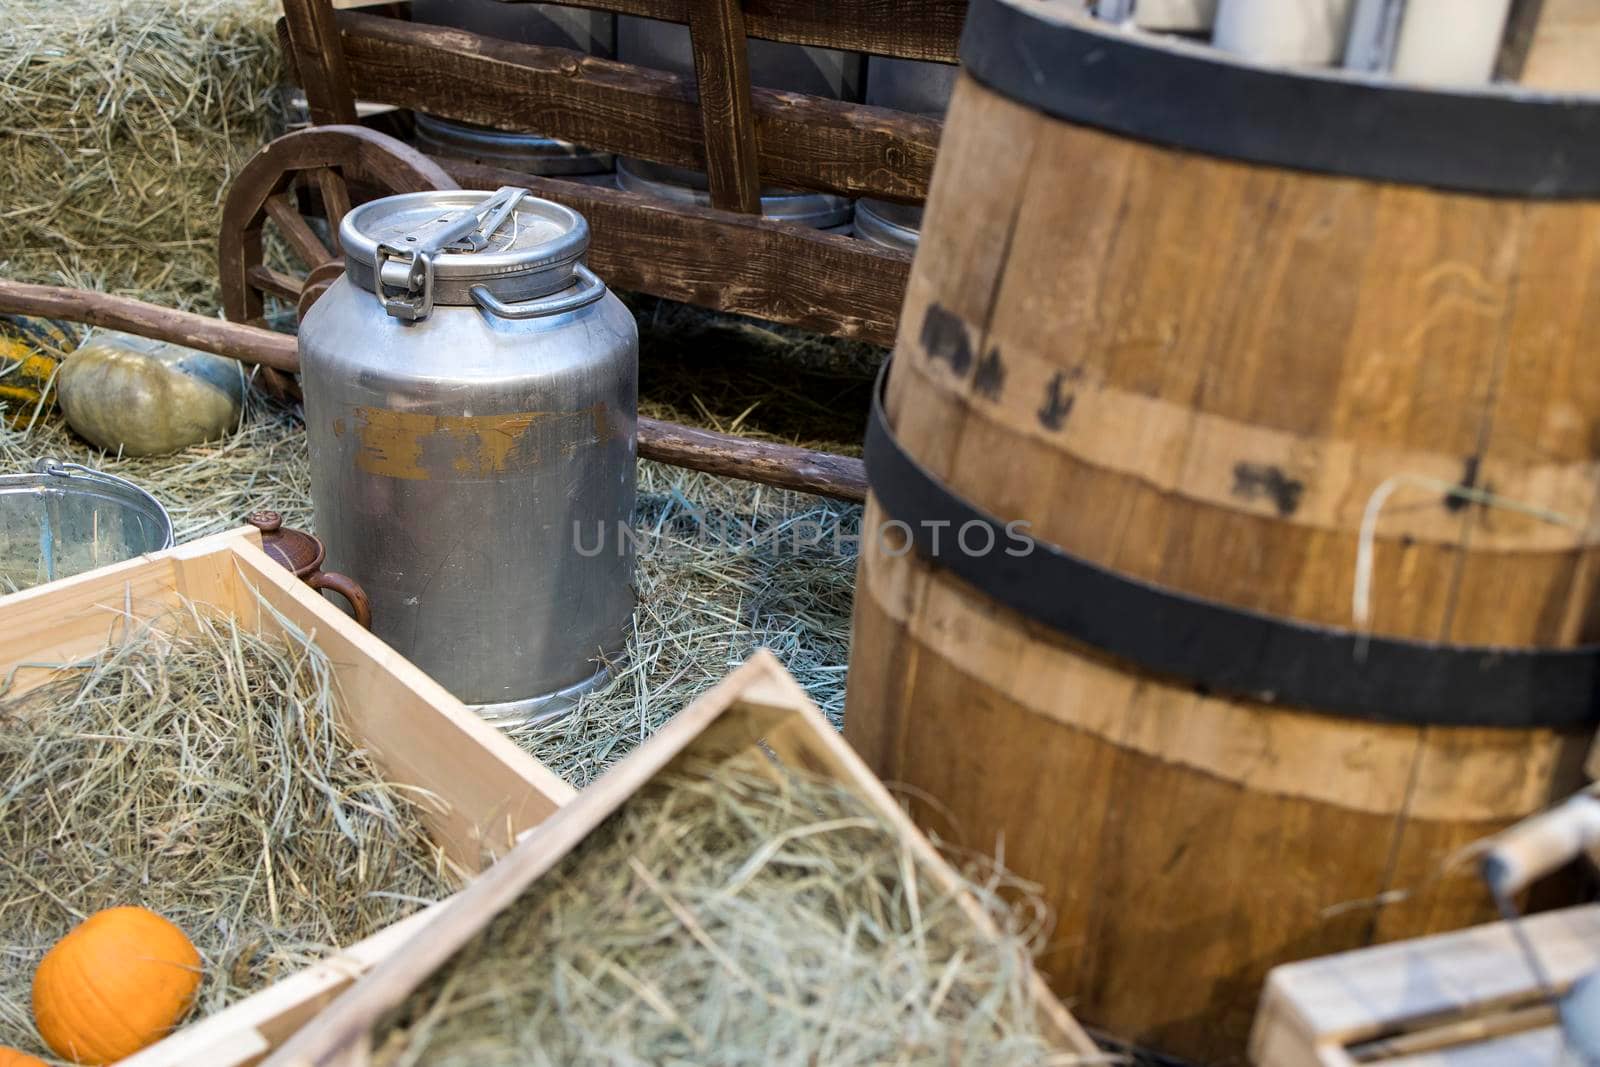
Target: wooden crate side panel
489,789
74,617
243,1034
1356,996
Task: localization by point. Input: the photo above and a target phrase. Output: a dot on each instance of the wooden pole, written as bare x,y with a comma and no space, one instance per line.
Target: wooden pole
784,466
248,344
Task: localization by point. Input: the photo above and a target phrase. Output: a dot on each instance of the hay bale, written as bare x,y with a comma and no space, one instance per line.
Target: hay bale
125,122
199,769
735,913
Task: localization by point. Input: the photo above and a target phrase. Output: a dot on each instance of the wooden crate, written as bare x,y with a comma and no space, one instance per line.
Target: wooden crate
491,791
1463,999
757,705
725,256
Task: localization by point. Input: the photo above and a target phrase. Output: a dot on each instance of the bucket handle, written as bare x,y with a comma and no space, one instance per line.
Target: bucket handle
588,289
55,468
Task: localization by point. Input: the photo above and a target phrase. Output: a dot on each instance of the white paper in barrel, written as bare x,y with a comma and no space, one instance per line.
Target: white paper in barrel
1450,42
1289,32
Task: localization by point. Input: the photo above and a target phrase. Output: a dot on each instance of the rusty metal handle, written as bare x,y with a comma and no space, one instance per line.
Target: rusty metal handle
350,590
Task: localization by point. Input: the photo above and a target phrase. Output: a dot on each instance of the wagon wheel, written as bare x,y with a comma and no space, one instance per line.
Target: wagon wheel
323,160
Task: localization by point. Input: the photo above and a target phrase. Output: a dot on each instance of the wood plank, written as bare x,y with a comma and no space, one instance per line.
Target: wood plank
878,27
319,60
719,259
722,69
1437,1000
802,141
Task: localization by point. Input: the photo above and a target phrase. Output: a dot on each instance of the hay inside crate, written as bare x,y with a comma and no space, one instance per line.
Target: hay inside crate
399,796
665,955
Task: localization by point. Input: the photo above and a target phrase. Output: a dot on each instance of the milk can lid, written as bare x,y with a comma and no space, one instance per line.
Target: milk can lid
416,250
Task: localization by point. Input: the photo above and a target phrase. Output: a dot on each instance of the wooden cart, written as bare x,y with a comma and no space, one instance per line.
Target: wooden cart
725,256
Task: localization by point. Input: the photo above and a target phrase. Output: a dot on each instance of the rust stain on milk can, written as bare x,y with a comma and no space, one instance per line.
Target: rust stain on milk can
416,447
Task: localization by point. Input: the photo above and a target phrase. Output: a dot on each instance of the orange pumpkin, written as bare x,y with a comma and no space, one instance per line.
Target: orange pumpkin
10,1057
119,981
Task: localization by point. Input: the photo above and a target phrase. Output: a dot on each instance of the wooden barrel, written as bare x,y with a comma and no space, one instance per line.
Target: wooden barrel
1178,324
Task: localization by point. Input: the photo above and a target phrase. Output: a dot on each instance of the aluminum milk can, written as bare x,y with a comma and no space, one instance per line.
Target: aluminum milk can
471,397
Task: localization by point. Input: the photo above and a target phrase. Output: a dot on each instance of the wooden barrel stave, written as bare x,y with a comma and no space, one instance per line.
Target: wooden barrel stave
1206,369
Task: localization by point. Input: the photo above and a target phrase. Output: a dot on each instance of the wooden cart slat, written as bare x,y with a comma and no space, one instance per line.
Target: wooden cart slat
880,27
802,141
720,259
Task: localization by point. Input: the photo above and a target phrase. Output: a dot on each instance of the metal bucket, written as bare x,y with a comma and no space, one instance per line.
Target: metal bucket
64,519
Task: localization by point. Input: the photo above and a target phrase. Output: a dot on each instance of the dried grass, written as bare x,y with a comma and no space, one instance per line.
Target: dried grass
196,768
724,567
122,123
727,915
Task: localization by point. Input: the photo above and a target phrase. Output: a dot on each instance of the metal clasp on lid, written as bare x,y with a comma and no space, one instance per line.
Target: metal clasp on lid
402,276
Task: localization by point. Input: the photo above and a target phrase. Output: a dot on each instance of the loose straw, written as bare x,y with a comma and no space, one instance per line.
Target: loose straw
736,913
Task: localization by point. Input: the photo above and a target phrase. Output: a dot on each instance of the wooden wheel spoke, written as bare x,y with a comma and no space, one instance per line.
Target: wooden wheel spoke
275,282
335,200
296,230
276,184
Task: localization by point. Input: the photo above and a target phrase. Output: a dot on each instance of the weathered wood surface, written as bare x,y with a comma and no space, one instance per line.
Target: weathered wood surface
722,72
319,61
719,259
932,30
801,141
824,473
1198,373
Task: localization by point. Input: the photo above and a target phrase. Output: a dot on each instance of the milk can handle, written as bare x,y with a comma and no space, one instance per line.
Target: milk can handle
589,289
